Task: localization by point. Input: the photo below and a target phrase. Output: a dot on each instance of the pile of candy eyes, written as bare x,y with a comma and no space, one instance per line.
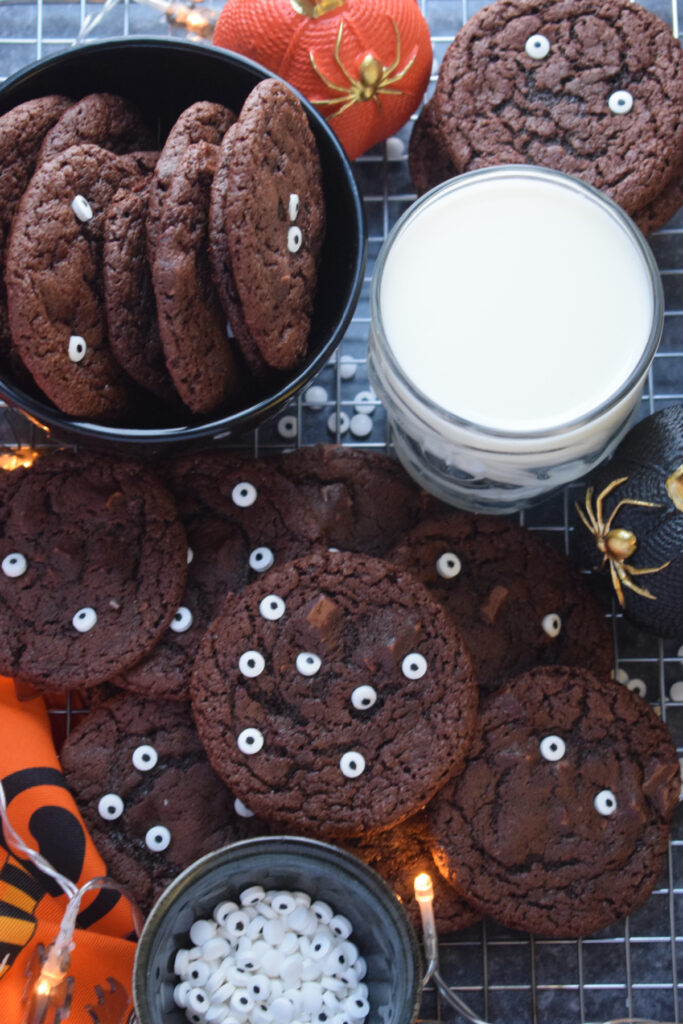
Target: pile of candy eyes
276,958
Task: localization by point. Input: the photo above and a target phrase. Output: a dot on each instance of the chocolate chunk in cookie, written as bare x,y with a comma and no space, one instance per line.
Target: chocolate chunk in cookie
267,227
334,696
241,517
594,89
199,355
363,501
54,287
559,822
147,793
516,600
93,561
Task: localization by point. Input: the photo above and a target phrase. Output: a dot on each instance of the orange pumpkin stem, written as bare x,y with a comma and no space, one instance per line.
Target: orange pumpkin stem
316,8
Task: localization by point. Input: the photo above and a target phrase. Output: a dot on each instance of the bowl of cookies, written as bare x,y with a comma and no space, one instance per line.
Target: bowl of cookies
278,929
182,241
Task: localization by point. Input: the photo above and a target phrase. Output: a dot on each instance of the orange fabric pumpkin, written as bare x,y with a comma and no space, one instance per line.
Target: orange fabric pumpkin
364,64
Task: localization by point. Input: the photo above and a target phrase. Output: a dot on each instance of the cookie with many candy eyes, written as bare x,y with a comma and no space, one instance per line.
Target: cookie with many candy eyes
267,227
93,563
241,518
594,89
559,822
515,599
147,793
334,696
364,501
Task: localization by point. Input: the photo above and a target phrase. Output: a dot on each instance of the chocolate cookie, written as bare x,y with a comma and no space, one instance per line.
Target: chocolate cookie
334,696
22,131
53,278
201,122
663,207
559,822
129,295
100,119
198,353
240,516
428,158
267,226
147,793
93,566
363,501
594,89
515,599
401,853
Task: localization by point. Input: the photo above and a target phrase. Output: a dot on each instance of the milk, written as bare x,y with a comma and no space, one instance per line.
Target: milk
514,314
518,306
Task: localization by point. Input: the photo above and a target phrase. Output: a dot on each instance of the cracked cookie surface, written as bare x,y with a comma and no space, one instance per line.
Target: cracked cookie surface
559,822
179,792
93,567
334,696
496,104
515,599
101,119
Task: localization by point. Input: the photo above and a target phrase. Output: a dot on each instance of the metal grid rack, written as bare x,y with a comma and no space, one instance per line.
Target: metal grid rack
635,968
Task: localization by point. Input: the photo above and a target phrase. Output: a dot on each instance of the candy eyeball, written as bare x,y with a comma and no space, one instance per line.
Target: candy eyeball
605,803
413,666
14,565
272,607
620,102
110,807
84,619
261,559
251,664
307,664
144,758
244,494
182,620
352,764
77,348
552,748
157,838
250,741
448,565
537,47
552,624
363,697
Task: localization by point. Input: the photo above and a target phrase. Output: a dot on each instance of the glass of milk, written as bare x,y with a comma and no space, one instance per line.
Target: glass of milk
515,312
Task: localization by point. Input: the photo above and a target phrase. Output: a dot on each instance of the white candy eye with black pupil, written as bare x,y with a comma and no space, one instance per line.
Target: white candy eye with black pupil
363,697
352,764
77,348
251,664
448,565
307,664
144,758
261,559
552,624
250,741
244,494
620,102
272,607
552,748
110,807
537,47
14,565
605,803
157,838
294,239
84,620
182,620
413,666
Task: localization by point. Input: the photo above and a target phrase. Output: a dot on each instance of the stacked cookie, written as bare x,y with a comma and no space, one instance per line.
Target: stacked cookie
594,90
330,625
121,265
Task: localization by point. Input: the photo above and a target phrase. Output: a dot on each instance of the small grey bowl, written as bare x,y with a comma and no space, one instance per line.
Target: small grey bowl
381,929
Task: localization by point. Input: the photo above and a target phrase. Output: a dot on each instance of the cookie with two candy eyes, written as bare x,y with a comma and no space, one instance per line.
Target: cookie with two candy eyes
92,568
559,821
148,794
514,597
593,88
267,226
242,518
335,696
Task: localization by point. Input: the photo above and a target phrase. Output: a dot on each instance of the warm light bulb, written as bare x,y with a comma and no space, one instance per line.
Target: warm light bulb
424,890
43,987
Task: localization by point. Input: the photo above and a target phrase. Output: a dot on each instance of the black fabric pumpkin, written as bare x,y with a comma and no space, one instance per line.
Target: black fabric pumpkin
638,548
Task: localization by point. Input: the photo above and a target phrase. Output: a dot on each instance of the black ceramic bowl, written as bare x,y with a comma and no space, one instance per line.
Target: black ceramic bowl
381,929
163,77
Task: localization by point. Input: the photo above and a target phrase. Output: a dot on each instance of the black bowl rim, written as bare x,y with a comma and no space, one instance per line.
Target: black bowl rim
45,416
309,848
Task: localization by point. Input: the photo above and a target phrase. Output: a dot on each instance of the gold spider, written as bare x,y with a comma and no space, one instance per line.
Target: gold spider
373,78
616,543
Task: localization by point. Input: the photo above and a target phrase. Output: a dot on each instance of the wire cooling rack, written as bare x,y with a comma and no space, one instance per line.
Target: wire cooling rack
635,968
